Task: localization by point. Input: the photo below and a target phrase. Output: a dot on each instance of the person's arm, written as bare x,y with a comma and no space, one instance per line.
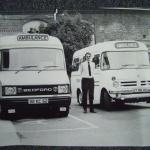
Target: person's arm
81,68
93,67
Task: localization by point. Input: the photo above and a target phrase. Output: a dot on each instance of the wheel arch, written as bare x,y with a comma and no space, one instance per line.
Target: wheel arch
78,90
102,91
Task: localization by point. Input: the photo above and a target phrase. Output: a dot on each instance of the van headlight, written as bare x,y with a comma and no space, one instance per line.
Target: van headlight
63,89
115,84
10,90
113,78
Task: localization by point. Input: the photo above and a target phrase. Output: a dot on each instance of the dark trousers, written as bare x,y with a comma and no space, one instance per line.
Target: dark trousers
87,89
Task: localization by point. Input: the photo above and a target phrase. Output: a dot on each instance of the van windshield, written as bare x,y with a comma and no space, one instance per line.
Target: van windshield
32,59
125,59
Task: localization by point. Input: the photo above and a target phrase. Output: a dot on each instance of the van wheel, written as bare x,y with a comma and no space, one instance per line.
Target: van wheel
79,98
3,112
106,101
102,100
119,103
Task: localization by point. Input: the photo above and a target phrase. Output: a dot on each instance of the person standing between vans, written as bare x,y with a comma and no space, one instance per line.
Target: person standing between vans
87,69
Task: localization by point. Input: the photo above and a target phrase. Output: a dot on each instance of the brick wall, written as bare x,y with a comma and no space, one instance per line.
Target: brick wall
108,24
113,26
12,24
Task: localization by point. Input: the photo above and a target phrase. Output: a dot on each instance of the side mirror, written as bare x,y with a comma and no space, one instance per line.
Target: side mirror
72,68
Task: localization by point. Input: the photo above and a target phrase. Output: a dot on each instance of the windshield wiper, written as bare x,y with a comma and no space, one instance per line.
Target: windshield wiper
24,67
45,67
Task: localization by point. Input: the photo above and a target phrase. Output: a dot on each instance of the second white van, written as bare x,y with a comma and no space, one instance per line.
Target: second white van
122,72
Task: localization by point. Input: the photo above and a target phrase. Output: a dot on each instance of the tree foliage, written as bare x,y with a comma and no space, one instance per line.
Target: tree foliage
73,32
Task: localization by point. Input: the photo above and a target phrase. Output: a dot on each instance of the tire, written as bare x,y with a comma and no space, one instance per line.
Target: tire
3,112
106,101
79,98
119,103
102,100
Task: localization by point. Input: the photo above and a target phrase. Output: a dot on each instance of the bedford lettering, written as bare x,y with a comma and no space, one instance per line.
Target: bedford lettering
45,89
35,90
27,90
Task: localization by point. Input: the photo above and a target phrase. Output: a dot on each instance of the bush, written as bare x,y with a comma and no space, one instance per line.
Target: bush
73,32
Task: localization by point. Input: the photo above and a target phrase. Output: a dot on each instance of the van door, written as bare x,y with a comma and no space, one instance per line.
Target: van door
75,77
96,60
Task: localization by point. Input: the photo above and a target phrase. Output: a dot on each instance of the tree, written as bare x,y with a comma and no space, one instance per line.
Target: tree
73,32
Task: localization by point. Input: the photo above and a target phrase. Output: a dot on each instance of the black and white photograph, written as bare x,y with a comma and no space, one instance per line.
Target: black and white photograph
74,74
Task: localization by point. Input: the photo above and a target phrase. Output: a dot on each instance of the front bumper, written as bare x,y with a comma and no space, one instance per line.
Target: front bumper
22,103
130,96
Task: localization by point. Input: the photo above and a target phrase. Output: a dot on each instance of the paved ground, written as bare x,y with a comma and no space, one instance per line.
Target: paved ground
125,126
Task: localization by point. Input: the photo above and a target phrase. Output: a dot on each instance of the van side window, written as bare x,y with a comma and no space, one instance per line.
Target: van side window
96,60
0,60
75,64
83,60
105,62
5,59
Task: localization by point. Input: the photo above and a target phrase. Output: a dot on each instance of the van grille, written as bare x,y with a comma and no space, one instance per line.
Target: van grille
27,90
144,83
128,83
134,83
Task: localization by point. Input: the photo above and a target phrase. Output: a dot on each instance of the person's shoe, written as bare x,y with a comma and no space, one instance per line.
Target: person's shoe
85,111
92,111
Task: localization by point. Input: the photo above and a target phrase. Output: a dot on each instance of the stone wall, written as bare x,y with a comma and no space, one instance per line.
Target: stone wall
120,25
109,24
12,24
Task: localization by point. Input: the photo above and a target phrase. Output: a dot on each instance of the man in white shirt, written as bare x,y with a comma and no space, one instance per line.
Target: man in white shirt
87,69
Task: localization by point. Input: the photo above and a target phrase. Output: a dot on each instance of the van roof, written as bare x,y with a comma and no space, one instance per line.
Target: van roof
30,40
113,46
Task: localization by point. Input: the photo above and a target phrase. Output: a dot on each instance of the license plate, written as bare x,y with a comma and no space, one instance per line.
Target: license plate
62,109
38,101
11,111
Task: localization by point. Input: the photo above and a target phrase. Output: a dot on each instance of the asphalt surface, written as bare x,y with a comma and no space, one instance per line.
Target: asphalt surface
127,125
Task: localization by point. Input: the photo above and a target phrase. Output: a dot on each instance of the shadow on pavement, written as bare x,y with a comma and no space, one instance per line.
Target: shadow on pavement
123,107
31,115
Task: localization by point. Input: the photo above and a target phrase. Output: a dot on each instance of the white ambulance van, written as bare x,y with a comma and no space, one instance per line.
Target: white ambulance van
122,72
33,75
